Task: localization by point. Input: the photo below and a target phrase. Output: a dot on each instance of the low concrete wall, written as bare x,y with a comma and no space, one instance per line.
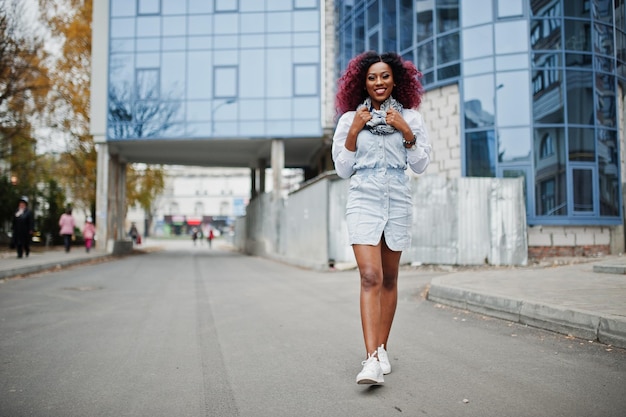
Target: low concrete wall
463,221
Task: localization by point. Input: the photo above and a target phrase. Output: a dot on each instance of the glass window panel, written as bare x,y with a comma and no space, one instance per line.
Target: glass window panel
428,78
252,129
174,25
200,6
580,97
509,8
582,184
306,108
279,109
200,25
478,42
579,60
148,26
226,58
305,80
478,66
406,24
608,172
123,8
226,42
197,75
514,145
548,97
307,128
603,64
389,27
173,7
122,45
425,22
224,82
479,96
451,71
174,44
359,34
425,56
122,68
226,5
545,34
513,98
252,41
148,7
279,81
603,39
148,60
545,8
447,48
278,40
305,4
200,42
252,69
510,62
581,144
147,84
226,23
306,55
577,35
606,112
373,41
252,22
476,12
122,28
550,176
480,154
252,109
373,14
279,22
580,8
306,39
280,128
173,74
276,5
447,16
508,39
548,59
305,21
148,44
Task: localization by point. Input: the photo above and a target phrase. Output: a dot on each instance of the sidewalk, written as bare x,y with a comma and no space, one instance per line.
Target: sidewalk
584,298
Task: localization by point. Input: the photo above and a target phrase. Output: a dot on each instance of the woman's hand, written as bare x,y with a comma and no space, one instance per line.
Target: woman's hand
361,117
395,119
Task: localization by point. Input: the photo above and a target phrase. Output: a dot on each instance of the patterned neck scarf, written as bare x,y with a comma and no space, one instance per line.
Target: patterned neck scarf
378,125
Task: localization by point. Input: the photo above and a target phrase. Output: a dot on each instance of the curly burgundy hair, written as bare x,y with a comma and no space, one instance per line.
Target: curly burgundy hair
351,86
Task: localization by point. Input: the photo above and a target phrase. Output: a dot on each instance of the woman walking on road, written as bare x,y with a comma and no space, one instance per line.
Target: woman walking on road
378,135
67,224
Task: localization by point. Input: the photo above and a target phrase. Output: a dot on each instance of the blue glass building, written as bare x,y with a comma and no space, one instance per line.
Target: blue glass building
531,88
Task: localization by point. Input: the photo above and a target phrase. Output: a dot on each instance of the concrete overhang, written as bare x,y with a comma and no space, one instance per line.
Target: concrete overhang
228,153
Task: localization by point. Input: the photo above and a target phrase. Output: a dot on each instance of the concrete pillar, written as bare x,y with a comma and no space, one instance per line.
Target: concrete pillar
278,163
262,164
252,182
102,195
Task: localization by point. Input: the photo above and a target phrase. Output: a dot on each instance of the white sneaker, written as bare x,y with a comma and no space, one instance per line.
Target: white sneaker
371,373
383,358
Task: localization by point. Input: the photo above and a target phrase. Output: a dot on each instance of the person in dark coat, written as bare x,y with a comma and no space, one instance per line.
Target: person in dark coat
23,225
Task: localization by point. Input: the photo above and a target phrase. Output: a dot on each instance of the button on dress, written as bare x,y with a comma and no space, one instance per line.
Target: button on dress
379,196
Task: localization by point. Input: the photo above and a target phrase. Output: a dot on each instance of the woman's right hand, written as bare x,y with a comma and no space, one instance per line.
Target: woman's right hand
361,117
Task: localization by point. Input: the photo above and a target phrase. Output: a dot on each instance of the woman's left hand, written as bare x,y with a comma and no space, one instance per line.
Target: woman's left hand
394,118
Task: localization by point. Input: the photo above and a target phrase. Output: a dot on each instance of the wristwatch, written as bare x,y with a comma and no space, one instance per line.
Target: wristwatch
410,144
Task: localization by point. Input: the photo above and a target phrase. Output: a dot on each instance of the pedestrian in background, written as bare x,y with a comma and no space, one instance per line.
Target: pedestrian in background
67,224
133,232
23,227
89,231
210,238
379,134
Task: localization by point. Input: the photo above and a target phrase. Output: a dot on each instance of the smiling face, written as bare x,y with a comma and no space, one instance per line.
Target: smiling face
379,83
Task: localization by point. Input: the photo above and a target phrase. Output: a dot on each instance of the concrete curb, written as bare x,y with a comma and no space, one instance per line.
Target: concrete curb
610,330
610,268
31,269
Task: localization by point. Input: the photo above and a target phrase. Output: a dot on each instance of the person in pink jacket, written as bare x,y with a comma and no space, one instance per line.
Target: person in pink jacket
89,231
67,224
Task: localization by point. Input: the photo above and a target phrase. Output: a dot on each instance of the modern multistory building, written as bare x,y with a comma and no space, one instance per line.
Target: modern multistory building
530,88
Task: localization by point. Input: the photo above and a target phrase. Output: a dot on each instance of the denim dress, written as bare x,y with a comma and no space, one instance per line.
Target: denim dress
379,196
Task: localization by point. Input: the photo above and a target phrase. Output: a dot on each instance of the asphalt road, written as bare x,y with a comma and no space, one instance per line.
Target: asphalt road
198,332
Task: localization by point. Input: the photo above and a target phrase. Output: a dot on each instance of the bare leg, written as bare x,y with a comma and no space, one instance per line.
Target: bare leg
370,268
389,292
